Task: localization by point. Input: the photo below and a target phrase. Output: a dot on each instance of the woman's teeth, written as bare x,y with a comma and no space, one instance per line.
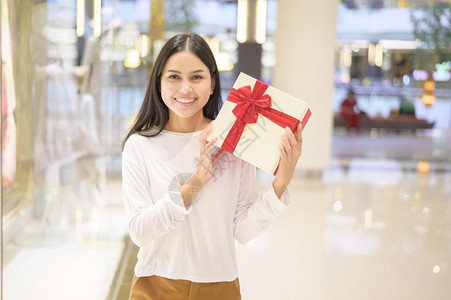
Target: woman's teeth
185,100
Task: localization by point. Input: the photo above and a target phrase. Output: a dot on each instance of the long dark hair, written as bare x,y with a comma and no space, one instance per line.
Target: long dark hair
154,114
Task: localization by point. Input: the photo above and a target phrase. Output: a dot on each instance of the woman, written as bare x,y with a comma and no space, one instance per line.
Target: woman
185,200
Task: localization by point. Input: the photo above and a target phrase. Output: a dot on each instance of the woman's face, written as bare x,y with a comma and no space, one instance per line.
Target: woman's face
186,85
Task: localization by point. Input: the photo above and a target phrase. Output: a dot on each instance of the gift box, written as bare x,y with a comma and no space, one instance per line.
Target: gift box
252,120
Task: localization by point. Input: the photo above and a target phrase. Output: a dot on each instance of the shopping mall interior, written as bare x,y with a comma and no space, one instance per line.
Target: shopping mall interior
370,216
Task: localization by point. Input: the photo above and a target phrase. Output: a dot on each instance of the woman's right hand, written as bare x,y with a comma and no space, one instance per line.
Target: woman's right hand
207,160
205,170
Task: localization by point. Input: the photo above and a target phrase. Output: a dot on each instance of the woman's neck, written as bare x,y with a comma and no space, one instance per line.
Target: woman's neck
187,125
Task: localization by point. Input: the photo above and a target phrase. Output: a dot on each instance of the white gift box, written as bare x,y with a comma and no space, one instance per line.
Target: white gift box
257,143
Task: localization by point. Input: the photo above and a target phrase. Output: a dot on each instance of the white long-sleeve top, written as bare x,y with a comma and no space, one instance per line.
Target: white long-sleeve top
198,243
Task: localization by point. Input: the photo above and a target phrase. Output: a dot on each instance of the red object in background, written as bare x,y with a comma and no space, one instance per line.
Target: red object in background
348,111
4,106
9,154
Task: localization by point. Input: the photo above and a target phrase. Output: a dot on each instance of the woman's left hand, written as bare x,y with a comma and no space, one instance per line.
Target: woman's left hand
290,151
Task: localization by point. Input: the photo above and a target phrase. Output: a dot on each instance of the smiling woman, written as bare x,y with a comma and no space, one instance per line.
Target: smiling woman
184,210
186,85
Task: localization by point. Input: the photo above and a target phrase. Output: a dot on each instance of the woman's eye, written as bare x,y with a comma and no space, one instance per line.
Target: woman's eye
173,76
197,77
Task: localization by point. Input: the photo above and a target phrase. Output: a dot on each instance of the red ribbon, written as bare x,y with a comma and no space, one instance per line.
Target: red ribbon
249,105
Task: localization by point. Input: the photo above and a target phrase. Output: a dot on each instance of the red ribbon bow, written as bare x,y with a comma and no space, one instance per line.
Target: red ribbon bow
249,105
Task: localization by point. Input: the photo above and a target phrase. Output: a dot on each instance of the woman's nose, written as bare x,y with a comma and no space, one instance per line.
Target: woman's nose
186,87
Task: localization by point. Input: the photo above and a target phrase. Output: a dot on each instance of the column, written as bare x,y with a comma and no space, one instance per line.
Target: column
156,26
249,48
305,47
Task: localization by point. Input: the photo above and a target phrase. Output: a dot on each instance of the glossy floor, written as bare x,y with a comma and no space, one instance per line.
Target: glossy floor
375,225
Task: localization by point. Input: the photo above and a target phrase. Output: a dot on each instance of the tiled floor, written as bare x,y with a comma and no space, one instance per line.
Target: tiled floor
375,225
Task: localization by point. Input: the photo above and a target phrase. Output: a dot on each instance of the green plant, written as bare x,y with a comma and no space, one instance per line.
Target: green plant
180,16
432,29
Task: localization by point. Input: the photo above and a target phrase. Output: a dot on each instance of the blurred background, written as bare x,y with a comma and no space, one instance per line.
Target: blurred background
371,212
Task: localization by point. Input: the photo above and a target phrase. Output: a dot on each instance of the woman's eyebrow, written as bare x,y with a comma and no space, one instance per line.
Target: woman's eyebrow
178,72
